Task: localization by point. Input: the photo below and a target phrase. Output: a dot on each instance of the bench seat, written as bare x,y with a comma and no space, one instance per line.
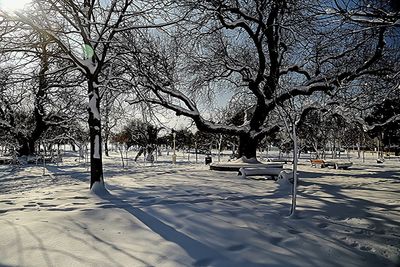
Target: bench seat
338,164
262,171
331,163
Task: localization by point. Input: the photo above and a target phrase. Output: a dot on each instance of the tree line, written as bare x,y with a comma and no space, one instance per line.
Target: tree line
244,69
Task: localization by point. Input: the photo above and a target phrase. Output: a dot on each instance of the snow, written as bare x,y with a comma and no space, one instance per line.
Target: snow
187,215
99,189
246,160
88,63
330,11
92,105
96,152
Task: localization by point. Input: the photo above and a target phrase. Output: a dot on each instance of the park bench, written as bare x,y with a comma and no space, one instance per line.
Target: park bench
262,171
315,162
338,164
332,163
285,161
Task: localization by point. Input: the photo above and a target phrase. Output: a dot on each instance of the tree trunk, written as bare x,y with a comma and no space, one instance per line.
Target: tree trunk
96,164
106,145
141,150
24,148
106,127
295,159
247,146
27,142
219,147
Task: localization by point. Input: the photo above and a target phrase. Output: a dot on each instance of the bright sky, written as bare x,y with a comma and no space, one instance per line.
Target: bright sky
13,5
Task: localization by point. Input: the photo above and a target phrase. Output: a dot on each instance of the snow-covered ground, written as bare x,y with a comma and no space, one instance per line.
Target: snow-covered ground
187,215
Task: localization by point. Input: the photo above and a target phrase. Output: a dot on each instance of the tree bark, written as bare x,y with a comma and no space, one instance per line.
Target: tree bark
106,127
96,164
247,146
24,148
27,143
106,145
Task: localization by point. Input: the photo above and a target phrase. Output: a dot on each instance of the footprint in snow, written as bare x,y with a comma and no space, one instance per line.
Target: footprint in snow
30,205
145,197
380,232
202,262
80,197
179,226
44,205
322,225
236,247
294,232
354,244
78,203
86,209
365,248
61,209
107,206
101,203
359,231
275,240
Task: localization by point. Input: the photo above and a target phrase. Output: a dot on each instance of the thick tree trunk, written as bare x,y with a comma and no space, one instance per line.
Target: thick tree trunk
96,164
247,146
24,148
27,142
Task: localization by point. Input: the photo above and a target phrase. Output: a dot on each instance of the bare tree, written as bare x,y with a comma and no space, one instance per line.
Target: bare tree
266,52
30,88
92,25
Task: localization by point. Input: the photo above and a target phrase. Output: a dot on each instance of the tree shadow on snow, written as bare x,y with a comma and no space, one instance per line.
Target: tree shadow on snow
201,253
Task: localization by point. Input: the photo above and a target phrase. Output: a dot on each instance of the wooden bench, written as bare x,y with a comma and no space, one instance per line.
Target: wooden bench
331,163
339,164
262,171
315,162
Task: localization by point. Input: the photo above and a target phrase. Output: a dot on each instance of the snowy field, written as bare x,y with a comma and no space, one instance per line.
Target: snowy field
187,215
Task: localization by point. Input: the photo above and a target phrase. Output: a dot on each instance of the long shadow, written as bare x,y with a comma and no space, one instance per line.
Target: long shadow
63,171
107,253
347,205
194,248
393,175
200,252
189,244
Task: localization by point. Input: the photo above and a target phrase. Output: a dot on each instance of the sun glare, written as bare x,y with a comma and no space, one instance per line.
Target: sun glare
13,5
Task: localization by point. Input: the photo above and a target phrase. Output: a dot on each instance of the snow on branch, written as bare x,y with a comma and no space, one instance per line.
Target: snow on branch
368,15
